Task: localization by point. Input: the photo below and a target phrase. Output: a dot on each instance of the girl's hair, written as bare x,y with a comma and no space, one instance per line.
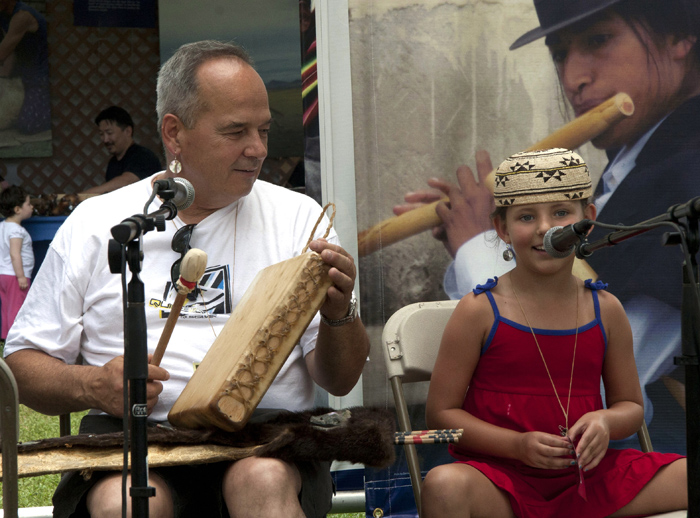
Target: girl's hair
500,212
13,196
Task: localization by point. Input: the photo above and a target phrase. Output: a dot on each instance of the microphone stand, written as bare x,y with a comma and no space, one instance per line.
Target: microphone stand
690,324
126,249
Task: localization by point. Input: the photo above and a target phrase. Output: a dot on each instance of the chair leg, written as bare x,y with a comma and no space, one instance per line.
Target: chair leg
645,439
64,425
9,428
410,449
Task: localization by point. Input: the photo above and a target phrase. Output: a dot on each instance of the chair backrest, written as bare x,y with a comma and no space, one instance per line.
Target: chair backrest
411,339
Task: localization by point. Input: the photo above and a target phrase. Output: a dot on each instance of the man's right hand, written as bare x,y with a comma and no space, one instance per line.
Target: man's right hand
106,386
470,205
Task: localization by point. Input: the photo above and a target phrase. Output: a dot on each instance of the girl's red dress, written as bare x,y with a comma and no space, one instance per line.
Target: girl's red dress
510,388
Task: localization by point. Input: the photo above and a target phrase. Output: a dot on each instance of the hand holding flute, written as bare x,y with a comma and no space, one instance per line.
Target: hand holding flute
572,135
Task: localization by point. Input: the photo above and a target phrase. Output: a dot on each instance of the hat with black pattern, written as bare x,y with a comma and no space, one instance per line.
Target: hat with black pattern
549,175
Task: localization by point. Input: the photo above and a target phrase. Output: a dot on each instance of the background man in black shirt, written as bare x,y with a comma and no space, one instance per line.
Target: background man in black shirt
130,162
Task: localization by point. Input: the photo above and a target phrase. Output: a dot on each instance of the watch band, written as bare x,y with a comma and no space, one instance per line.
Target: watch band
350,317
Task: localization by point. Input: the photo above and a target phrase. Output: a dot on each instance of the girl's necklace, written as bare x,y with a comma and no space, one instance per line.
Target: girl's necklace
562,429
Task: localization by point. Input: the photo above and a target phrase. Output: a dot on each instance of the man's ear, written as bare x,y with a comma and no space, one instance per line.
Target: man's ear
681,47
170,133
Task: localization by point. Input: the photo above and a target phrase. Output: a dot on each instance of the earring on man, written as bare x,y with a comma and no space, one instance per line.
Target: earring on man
508,253
175,166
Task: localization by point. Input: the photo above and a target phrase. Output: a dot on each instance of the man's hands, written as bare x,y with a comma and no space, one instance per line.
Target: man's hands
470,205
106,386
342,273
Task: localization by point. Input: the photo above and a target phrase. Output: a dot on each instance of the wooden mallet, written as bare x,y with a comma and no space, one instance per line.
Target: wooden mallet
191,270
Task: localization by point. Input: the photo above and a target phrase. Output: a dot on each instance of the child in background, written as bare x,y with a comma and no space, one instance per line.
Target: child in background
528,350
16,255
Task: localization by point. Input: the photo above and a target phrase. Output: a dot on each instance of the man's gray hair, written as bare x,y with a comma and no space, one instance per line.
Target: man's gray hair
177,86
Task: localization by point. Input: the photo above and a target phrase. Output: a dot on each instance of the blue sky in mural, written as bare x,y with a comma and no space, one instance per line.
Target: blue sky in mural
268,29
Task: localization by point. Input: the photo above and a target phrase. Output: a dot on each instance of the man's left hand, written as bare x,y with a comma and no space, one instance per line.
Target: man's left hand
342,273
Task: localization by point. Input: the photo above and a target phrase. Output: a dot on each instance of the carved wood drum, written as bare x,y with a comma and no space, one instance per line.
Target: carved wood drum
253,345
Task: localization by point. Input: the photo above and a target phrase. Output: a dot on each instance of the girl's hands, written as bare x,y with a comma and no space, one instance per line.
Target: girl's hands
544,450
595,439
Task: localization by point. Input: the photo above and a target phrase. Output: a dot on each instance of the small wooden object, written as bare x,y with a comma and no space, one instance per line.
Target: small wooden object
253,345
191,270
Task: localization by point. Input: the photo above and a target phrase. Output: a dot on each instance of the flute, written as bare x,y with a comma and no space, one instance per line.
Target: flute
570,136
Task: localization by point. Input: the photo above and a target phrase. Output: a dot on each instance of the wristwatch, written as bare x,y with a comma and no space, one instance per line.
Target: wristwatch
350,317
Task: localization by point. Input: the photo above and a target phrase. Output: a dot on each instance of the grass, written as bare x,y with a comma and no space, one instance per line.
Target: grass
37,491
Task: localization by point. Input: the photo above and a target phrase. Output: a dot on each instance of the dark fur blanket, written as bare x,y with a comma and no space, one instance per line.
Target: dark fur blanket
359,435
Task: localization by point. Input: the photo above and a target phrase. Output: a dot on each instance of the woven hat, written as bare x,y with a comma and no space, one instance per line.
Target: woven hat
542,176
554,15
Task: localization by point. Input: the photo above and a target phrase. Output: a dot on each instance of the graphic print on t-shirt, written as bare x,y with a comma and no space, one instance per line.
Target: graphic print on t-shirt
211,297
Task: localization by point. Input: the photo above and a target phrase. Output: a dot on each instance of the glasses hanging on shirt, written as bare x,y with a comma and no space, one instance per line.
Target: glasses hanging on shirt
181,245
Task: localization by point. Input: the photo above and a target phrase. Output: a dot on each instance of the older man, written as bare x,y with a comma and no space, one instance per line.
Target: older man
214,118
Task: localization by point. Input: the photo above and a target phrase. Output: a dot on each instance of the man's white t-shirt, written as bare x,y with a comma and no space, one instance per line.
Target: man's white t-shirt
75,304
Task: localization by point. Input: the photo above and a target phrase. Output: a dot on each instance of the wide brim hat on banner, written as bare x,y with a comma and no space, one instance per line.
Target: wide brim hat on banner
541,177
555,15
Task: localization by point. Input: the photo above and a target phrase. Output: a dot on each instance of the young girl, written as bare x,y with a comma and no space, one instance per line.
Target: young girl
16,256
531,347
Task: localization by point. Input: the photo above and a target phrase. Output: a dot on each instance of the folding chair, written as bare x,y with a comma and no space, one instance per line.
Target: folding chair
9,430
411,339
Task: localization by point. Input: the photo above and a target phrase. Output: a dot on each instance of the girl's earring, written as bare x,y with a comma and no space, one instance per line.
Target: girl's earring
508,253
175,166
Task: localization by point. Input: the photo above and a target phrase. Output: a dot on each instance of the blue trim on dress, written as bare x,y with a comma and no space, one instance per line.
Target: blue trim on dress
486,288
592,286
489,285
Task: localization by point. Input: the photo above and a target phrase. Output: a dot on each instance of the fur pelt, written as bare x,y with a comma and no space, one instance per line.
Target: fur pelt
359,435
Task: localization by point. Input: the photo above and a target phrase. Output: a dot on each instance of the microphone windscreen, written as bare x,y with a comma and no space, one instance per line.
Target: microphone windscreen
549,247
185,196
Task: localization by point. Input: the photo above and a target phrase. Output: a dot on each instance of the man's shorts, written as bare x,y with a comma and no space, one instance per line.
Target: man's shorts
196,489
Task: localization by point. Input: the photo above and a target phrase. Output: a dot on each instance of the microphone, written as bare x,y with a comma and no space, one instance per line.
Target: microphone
179,190
560,242
177,193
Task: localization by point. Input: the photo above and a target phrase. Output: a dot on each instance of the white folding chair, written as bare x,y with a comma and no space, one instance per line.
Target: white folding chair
411,339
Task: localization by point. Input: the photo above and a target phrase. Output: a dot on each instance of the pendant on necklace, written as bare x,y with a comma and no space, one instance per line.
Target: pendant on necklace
563,430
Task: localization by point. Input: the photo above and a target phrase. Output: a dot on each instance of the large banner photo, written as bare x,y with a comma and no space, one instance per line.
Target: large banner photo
439,100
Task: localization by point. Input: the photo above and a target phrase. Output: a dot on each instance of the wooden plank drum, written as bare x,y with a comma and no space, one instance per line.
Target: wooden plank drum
253,345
